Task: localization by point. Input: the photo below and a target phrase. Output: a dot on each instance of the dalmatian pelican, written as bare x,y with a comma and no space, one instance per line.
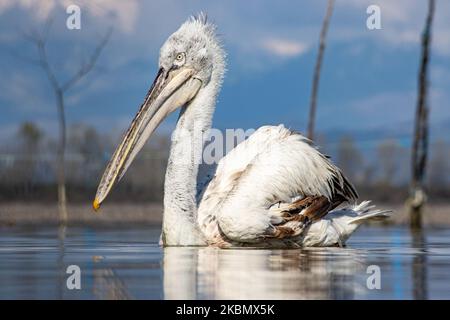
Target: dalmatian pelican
275,189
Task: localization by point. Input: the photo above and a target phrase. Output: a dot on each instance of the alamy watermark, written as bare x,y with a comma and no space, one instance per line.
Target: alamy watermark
208,146
73,21
373,21
374,280
73,281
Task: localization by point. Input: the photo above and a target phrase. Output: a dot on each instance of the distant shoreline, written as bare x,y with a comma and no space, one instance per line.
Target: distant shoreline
124,214
110,215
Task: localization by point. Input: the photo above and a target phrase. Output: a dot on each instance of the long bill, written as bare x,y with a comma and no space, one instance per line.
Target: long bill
170,90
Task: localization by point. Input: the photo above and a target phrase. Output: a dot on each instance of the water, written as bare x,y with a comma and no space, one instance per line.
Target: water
127,263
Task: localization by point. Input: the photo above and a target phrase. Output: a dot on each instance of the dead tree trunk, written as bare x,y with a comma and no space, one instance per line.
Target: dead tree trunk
59,89
316,78
419,152
62,199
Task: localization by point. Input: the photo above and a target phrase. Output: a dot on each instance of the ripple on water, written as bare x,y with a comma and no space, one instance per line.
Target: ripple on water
129,264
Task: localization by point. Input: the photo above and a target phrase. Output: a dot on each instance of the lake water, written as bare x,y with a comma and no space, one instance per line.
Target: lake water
127,263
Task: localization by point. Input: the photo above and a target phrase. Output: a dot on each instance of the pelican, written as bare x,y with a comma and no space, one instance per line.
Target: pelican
275,189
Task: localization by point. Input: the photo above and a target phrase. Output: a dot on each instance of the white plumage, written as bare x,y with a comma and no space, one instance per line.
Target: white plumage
271,168
276,167
273,189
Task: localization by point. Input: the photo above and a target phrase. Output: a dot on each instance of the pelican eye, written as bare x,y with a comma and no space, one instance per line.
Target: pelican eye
180,57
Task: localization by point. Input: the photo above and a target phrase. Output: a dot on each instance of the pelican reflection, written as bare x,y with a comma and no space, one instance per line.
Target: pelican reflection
210,273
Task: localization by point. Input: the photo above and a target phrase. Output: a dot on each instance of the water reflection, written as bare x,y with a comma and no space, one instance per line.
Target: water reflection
419,265
208,273
128,264
62,230
109,286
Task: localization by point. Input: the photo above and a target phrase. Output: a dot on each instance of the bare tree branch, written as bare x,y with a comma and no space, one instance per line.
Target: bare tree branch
41,46
316,78
40,41
20,56
87,67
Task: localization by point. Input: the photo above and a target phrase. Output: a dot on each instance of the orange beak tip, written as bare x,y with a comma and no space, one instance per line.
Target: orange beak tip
96,205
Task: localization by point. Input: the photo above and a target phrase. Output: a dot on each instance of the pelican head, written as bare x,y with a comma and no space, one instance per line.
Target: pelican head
186,64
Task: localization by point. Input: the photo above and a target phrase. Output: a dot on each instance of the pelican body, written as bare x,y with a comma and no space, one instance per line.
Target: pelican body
275,189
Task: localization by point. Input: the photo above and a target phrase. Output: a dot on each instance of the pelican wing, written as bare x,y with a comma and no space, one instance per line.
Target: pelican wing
272,169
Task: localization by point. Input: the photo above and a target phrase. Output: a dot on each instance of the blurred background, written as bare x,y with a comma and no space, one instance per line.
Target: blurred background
94,78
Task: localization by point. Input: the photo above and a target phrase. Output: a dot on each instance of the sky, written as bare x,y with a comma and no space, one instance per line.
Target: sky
368,84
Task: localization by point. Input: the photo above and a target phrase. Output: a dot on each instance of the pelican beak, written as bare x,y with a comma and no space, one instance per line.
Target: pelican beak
170,90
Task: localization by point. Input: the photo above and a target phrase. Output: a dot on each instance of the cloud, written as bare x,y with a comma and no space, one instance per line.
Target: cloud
243,23
402,22
122,14
257,38
40,9
390,109
284,48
